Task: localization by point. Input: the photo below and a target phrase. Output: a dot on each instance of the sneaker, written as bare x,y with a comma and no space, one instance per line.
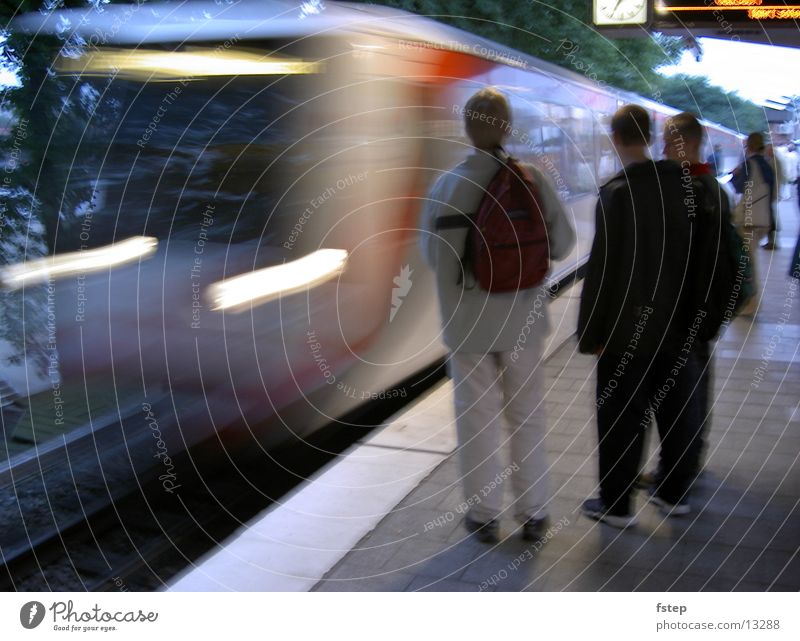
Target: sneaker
488,532
595,509
667,508
534,529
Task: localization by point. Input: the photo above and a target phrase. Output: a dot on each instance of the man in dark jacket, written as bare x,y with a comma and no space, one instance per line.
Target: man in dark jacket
633,315
711,268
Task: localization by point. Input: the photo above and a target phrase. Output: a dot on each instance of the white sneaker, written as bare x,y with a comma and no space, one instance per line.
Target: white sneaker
669,509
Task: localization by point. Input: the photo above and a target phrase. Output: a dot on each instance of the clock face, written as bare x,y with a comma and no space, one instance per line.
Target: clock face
613,12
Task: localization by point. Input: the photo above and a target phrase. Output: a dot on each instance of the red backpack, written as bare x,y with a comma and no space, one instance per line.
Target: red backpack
507,246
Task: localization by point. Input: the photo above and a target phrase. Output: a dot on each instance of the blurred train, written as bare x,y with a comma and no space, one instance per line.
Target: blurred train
231,190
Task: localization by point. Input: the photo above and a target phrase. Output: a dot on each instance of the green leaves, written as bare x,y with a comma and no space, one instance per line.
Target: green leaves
696,94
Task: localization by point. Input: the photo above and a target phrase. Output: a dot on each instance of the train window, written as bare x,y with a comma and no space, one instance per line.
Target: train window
658,121
568,141
151,157
606,160
559,140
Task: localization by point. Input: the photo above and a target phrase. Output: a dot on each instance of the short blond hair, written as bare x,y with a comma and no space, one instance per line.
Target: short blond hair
487,118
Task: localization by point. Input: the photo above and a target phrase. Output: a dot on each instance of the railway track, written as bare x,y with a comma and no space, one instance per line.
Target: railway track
139,539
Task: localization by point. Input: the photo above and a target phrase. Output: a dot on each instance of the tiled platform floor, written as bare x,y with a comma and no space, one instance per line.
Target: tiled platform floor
744,533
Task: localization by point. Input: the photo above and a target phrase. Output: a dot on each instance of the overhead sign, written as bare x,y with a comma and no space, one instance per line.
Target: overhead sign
708,13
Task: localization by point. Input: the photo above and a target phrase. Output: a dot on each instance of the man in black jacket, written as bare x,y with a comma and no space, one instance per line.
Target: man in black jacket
713,268
633,314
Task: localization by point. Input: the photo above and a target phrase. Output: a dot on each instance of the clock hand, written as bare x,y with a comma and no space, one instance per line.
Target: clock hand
616,6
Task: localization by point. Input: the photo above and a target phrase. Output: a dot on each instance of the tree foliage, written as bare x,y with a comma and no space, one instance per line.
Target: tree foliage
33,146
696,94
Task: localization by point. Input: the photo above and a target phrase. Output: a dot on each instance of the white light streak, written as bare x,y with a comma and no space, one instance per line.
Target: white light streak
258,287
144,64
91,260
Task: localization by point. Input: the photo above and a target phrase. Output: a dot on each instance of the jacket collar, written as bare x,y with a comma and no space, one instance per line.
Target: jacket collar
637,168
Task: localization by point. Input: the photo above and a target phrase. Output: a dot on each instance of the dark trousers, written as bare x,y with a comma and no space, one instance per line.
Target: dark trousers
631,392
704,363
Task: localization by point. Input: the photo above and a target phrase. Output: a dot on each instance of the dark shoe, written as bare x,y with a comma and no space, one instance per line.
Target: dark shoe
595,509
645,481
769,246
534,529
669,509
699,478
488,532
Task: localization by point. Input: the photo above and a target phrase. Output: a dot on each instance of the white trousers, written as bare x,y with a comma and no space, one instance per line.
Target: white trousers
498,401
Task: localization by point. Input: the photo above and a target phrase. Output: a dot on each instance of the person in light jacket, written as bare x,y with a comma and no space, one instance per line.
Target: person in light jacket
495,339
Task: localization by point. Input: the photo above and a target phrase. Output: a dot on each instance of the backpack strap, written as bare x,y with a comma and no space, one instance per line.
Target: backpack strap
467,221
501,154
460,221
455,221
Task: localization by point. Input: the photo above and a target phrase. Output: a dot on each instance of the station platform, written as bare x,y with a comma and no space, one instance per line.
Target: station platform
385,516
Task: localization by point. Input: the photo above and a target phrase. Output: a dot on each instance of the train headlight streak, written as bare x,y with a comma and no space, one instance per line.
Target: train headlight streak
82,262
169,65
239,293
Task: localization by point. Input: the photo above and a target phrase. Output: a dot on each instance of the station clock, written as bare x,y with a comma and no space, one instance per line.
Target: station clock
619,12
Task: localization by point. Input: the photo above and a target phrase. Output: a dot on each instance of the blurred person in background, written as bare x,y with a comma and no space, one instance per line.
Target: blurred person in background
789,162
715,160
754,215
777,171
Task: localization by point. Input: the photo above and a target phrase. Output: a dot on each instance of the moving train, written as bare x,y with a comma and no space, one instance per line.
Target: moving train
230,195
